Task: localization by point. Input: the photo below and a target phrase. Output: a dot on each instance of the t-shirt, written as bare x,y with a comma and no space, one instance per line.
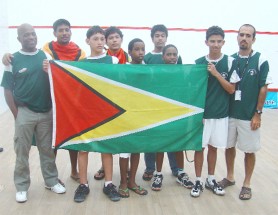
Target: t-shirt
217,99
156,58
107,59
27,81
254,76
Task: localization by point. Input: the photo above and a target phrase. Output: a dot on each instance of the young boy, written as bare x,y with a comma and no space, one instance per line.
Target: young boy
159,34
169,56
114,39
96,41
136,49
221,83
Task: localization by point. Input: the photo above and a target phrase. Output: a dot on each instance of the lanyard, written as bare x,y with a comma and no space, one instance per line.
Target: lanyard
244,68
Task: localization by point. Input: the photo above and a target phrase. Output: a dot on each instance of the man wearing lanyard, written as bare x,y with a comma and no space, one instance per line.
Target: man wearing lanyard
246,108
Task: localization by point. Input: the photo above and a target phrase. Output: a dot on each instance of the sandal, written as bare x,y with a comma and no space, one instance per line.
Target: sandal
99,174
139,190
226,183
245,193
75,177
147,176
124,193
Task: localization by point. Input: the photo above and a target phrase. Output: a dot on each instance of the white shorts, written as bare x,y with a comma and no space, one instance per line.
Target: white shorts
125,155
215,132
240,134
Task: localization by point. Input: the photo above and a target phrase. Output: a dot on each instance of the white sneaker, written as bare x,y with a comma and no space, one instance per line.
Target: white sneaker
214,187
21,196
58,188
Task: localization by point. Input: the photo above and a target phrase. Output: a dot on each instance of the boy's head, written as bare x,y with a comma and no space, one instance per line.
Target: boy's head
215,39
62,31
159,34
136,49
170,54
114,38
96,39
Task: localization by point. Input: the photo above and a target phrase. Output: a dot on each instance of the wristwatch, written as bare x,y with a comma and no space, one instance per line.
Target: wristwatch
259,112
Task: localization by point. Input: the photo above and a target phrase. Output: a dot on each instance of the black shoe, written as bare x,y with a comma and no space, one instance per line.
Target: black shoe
111,192
81,192
1,149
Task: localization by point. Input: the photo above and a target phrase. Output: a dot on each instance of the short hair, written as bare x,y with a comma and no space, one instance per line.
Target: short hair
161,28
112,30
60,22
214,30
131,43
94,30
167,47
249,25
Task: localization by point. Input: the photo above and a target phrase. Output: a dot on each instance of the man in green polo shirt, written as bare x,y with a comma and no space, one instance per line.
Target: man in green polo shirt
27,93
246,108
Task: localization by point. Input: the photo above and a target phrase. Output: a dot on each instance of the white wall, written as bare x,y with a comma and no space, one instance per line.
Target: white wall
198,14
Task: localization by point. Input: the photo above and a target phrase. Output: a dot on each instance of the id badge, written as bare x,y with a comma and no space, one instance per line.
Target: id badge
238,95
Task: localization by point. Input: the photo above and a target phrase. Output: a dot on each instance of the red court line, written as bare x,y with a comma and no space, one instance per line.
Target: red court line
148,28
272,90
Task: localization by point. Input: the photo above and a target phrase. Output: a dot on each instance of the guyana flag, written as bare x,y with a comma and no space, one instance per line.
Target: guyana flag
127,108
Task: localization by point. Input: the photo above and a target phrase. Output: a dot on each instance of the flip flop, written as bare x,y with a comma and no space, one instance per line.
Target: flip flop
147,176
75,177
226,183
139,190
124,193
99,174
245,193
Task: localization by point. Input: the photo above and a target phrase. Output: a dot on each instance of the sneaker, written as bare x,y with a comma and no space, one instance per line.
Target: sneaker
215,188
111,192
21,196
157,182
58,188
81,192
197,189
184,180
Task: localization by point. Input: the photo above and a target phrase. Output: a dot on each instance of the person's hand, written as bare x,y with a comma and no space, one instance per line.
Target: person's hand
256,121
211,68
7,59
45,65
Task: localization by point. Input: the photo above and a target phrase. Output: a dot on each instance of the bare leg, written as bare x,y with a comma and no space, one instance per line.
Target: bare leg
230,161
249,162
159,161
83,165
123,170
198,162
107,162
211,159
134,162
73,160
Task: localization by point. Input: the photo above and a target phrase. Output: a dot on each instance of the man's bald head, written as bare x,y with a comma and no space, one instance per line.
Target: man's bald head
26,35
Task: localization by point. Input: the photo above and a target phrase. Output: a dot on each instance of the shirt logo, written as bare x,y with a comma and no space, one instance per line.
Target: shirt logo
252,72
224,75
22,70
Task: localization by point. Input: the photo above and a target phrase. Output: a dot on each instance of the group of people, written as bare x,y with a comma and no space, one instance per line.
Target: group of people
236,91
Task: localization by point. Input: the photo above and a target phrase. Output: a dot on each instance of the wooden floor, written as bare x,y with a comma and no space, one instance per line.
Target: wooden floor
173,199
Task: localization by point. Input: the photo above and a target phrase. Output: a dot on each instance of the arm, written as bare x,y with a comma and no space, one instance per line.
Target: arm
10,101
256,119
227,86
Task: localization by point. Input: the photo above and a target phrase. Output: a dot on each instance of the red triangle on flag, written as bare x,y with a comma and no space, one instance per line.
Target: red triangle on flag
93,108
